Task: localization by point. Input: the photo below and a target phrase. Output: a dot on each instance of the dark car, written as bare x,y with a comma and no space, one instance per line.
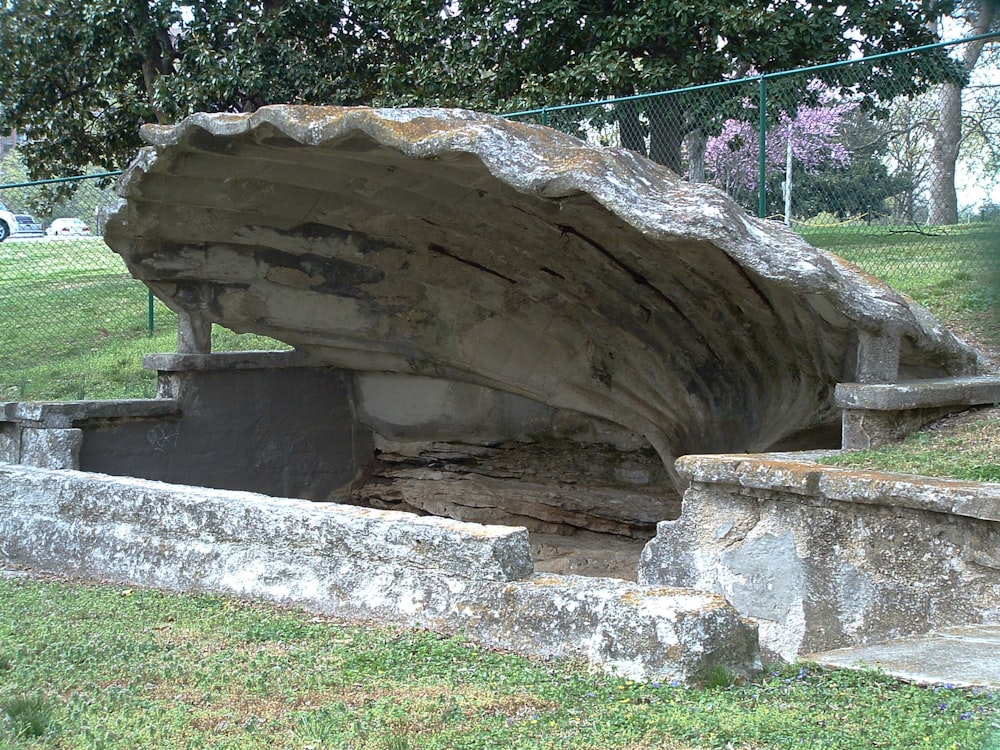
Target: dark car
28,226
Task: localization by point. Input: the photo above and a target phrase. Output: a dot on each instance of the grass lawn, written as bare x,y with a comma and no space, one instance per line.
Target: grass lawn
77,324
85,666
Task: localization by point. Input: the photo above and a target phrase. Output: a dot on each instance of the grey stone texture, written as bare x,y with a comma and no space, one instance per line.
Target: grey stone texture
462,246
824,558
362,563
962,656
959,393
51,448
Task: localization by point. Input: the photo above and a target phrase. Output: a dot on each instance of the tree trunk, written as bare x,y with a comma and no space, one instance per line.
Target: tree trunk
696,143
943,207
631,131
666,132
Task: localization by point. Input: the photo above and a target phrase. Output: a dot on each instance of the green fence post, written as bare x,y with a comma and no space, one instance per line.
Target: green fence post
150,313
761,153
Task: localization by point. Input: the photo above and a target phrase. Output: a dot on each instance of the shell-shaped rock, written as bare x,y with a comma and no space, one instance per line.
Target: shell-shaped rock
460,245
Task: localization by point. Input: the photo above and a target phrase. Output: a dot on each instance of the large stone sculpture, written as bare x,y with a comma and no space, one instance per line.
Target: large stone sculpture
456,245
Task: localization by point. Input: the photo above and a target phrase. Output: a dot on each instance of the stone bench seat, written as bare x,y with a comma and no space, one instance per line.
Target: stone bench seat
875,414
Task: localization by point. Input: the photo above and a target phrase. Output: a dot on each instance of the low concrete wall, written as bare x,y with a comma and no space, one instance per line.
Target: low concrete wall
264,422
361,563
823,558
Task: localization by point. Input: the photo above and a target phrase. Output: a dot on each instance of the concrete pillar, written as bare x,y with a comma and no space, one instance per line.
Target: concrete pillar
51,448
194,334
878,357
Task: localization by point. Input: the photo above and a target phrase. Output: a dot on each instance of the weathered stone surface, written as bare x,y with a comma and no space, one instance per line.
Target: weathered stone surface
920,394
10,442
587,553
362,563
964,656
408,408
51,448
555,487
879,413
824,558
451,244
94,520
64,414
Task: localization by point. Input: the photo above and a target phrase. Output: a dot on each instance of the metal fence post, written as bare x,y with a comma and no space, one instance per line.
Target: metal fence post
761,151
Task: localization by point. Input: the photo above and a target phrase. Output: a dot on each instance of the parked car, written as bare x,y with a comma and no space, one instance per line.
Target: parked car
67,228
28,226
8,224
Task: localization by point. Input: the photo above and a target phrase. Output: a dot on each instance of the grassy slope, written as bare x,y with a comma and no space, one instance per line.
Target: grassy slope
108,667
959,283
77,324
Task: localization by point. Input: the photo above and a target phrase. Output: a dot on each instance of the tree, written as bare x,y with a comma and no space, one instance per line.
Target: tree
981,16
809,138
80,76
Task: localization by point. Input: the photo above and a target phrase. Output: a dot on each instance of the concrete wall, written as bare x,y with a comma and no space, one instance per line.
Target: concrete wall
362,563
258,421
823,558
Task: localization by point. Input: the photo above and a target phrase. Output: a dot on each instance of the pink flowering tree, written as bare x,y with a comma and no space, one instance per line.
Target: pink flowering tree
806,140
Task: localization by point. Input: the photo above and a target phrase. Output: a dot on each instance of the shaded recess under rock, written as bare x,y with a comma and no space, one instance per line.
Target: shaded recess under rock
590,508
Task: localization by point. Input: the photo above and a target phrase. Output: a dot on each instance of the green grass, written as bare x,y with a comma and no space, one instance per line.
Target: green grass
966,451
913,258
112,667
76,324
955,273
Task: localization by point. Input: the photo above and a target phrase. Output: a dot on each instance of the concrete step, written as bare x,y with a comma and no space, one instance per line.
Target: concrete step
965,656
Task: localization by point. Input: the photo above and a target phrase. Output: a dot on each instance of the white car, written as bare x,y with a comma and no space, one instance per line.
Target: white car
8,223
67,228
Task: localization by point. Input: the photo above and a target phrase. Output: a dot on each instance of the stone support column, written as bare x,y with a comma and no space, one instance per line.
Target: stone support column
194,334
878,357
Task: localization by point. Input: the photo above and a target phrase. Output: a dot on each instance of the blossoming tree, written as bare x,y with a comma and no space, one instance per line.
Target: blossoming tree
808,138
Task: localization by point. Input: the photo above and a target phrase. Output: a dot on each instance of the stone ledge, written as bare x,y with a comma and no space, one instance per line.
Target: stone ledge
299,527
249,360
373,565
761,472
918,394
64,414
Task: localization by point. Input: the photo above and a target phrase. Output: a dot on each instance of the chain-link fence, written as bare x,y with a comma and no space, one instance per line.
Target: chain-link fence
65,296
891,162
75,323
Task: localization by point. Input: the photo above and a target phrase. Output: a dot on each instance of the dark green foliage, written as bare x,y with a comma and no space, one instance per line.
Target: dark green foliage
81,76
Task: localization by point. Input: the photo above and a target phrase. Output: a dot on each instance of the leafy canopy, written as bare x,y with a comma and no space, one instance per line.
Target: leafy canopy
79,77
